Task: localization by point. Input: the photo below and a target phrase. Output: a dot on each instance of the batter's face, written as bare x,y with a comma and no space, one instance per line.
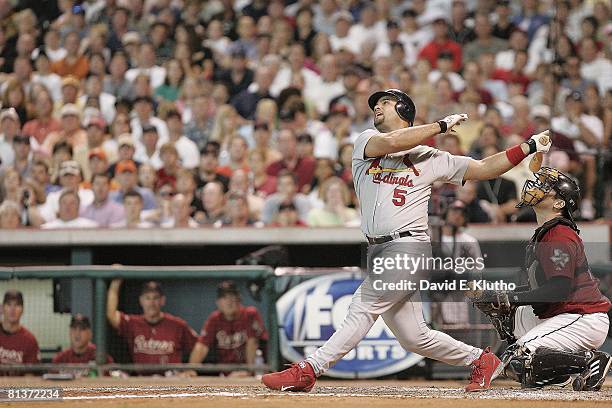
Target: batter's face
386,118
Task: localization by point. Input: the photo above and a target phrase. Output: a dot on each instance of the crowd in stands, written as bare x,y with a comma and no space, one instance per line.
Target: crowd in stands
187,113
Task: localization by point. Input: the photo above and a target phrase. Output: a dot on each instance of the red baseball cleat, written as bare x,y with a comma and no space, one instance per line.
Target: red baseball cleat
299,377
484,369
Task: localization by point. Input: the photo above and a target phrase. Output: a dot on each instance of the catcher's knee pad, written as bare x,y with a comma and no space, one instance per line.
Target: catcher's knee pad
545,365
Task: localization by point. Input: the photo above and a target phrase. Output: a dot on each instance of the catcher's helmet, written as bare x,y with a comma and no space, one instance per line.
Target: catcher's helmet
548,179
404,107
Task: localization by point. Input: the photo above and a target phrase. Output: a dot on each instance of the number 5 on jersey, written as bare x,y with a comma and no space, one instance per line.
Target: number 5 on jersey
399,197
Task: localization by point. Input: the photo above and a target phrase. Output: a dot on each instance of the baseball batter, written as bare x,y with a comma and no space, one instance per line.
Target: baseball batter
393,173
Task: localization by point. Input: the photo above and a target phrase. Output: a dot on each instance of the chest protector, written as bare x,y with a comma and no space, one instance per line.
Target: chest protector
534,275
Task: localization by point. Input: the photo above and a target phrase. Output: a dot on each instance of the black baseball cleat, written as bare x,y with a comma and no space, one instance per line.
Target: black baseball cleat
557,382
593,377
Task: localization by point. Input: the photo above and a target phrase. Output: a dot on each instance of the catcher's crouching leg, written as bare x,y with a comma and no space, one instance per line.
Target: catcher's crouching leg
545,366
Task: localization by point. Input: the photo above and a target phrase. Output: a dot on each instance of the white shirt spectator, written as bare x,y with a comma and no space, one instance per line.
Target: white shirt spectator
337,43
416,40
52,81
188,152
325,144
156,74
7,154
321,94
600,71
160,125
455,79
107,105
140,155
72,224
359,34
563,125
383,49
282,80
56,55
49,209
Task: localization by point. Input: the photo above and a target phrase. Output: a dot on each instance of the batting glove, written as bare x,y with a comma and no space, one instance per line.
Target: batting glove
448,122
540,142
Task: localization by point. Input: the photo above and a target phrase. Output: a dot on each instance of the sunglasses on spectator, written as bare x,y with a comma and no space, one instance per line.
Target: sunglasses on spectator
21,139
166,194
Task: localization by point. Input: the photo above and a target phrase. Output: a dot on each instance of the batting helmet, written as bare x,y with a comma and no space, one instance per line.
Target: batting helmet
404,107
548,179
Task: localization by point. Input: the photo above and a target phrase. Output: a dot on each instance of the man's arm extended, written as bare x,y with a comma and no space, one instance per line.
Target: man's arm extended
496,165
407,138
112,301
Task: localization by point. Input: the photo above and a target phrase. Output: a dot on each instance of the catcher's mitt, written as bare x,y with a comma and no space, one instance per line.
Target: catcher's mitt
496,305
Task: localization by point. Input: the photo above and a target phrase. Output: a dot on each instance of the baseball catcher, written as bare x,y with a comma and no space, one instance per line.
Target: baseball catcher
555,324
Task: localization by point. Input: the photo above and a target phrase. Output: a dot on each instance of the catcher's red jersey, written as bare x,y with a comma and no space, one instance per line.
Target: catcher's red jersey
20,347
228,337
561,253
163,342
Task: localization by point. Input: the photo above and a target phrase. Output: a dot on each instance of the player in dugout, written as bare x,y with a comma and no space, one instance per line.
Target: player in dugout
154,337
232,333
17,344
556,323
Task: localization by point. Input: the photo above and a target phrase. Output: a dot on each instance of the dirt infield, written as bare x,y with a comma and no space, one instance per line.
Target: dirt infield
228,393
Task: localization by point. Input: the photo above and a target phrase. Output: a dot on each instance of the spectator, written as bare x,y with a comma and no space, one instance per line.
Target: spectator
170,160
71,132
460,31
287,192
146,65
232,333
485,42
9,128
263,184
586,131
181,214
104,101
126,176
125,151
303,168
17,344
147,177
13,96
116,83
440,43
287,216
497,196
199,128
468,195
10,215
133,205
209,163
144,118
340,38
594,67
74,63
330,85
246,101
213,201
148,152
104,211
238,77
336,213
238,157
70,179
153,337
445,69
43,122
444,104
41,177
262,134
238,211
68,213
530,20
44,76
81,350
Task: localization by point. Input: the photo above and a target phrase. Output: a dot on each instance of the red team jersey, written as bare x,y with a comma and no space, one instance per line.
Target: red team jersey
68,356
561,253
20,347
163,342
228,338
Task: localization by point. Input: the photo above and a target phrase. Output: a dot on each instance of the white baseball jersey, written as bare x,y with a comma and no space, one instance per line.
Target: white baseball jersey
394,190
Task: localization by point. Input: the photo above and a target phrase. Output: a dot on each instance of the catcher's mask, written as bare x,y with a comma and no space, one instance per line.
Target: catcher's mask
547,179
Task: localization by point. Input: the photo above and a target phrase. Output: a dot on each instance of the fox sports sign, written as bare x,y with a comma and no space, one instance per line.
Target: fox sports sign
312,311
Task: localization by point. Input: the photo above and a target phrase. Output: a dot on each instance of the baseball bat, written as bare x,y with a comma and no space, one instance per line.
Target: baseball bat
536,160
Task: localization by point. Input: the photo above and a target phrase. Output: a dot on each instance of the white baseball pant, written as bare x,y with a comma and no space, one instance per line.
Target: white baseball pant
401,311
